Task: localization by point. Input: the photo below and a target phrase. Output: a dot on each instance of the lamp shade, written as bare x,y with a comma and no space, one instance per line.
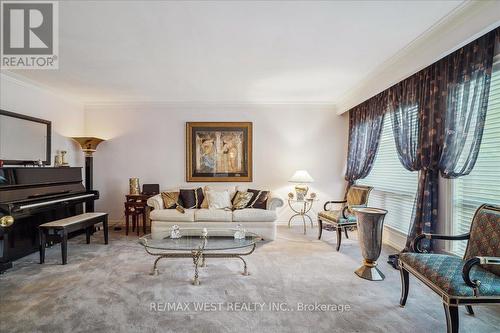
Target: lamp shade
88,144
301,176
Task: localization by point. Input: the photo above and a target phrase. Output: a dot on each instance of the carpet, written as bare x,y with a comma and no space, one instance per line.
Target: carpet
297,284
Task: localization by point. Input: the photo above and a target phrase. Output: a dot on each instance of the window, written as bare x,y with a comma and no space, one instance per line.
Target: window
482,185
394,186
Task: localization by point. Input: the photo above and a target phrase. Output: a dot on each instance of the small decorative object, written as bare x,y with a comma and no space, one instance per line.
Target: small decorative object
39,163
370,227
290,196
134,187
219,151
64,162
175,232
301,177
57,160
312,195
240,232
204,233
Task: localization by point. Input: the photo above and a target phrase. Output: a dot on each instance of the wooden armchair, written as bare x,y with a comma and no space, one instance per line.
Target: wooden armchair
473,279
343,218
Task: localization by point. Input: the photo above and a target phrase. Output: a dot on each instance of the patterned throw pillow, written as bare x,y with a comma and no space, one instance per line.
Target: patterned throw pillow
259,199
192,198
241,199
171,200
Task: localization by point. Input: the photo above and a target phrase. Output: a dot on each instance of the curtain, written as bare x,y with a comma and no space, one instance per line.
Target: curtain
365,127
469,75
414,106
438,117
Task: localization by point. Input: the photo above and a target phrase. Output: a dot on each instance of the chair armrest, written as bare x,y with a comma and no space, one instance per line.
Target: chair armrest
418,239
333,202
156,202
476,261
274,202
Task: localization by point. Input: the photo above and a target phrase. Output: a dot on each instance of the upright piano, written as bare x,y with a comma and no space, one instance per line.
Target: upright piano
33,196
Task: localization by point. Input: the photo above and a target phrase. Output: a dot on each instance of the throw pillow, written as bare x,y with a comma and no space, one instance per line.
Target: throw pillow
259,199
170,199
192,198
241,199
219,200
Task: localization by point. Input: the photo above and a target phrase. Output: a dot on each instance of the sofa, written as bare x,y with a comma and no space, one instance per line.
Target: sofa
259,221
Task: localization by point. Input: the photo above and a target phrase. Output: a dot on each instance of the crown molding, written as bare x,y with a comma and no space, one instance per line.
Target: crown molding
193,104
467,22
24,82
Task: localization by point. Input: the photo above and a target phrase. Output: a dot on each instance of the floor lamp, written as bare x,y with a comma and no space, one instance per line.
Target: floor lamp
89,146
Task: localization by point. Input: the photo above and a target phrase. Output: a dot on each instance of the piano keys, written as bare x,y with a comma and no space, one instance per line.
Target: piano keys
33,196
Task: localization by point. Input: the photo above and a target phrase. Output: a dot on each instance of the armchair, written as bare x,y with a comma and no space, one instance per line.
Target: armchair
343,217
473,279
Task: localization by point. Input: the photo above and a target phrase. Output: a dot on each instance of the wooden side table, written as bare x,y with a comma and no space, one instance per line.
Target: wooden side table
136,207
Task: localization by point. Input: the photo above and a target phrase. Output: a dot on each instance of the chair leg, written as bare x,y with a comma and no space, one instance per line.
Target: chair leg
405,285
469,309
451,313
346,234
320,226
339,237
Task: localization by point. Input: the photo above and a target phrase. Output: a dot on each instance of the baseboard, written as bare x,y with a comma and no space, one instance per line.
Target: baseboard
394,238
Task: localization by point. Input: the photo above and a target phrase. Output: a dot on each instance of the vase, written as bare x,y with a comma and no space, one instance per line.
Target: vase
134,186
370,226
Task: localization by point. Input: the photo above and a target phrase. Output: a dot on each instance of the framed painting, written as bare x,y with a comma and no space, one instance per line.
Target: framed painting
219,151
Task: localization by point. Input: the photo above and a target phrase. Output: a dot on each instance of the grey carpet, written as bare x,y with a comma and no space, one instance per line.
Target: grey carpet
108,289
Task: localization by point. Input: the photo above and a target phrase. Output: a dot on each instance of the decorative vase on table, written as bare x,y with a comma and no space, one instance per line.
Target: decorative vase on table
370,226
134,186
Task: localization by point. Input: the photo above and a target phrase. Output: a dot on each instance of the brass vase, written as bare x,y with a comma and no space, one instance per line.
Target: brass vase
134,187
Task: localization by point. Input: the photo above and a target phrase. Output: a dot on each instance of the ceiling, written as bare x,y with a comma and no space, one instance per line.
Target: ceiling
227,52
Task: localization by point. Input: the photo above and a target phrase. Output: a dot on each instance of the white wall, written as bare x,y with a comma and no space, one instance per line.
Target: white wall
148,141
67,117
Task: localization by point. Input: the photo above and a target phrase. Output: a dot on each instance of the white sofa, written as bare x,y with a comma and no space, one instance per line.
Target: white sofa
259,221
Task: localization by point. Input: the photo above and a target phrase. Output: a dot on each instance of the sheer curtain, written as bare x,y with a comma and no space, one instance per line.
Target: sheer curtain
365,127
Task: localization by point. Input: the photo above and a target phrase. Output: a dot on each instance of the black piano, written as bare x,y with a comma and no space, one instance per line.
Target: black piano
33,196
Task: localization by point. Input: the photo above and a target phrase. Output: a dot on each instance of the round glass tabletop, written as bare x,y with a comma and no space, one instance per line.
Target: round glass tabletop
191,239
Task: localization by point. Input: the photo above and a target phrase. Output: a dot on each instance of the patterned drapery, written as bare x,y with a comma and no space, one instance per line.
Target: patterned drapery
438,117
468,87
365,127
434,112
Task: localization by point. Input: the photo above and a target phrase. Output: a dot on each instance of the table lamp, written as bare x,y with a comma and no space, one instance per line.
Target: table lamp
301,177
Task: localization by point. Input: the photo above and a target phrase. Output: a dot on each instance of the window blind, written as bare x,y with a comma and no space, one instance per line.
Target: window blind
482,185
394,186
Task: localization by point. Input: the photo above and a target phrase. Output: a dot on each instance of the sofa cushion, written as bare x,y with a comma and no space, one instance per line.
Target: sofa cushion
254,215
212,215
171,199
172,215
191,198
259,199
241,199
218,199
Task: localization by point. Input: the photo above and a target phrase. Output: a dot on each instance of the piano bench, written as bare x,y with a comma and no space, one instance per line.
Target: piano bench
63,227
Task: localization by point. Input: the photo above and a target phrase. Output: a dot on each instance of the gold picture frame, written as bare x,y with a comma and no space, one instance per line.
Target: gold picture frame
219,152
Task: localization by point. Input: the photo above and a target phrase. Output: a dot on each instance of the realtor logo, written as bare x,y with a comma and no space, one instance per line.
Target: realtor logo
29,35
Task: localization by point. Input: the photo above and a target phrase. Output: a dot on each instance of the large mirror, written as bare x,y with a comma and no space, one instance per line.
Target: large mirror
24,139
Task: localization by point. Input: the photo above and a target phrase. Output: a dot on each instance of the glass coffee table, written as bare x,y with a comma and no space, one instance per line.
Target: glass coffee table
199,244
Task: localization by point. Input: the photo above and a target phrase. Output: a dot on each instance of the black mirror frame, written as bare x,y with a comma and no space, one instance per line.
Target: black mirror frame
37,120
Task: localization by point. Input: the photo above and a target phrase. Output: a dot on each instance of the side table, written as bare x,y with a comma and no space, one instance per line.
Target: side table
136,207
305,207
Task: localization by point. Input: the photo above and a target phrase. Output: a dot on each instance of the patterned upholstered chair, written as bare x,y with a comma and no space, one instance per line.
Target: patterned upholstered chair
343,218
475,279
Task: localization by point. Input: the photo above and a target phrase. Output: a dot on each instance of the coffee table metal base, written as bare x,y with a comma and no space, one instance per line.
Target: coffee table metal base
199,257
